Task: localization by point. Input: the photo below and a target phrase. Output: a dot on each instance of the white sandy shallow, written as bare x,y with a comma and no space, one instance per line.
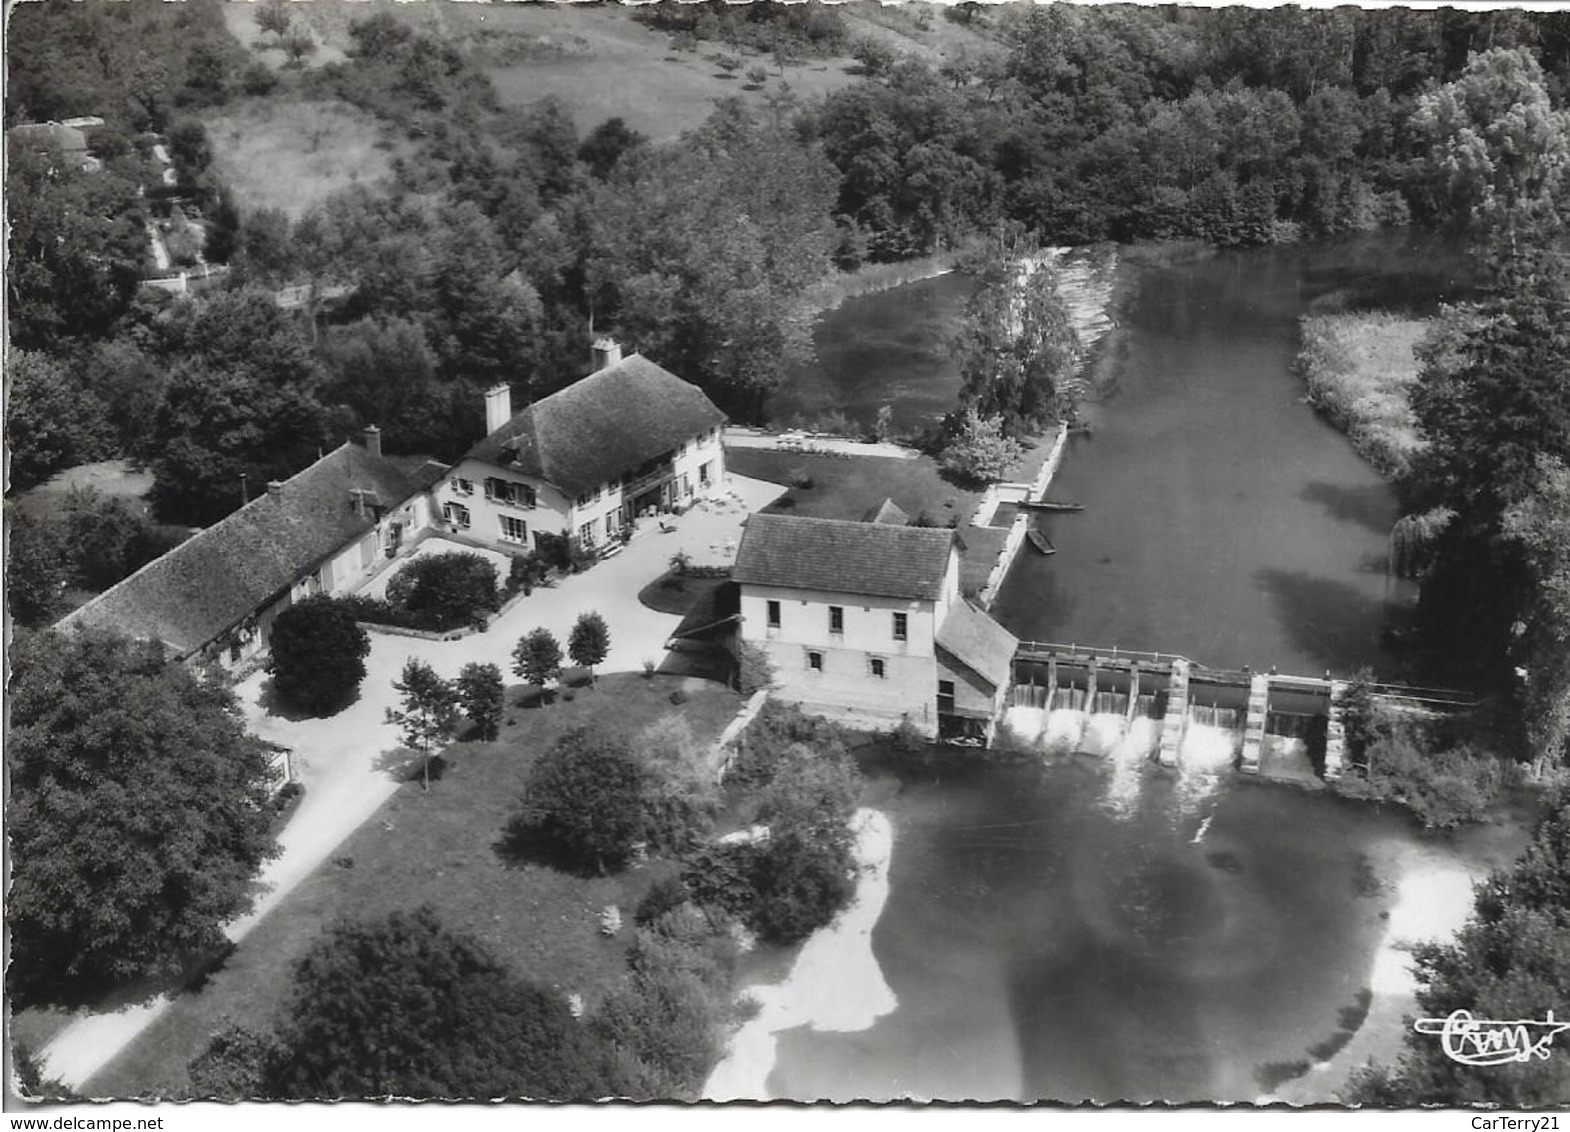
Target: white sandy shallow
835,985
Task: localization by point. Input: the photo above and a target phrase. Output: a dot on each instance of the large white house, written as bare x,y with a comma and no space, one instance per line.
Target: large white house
865,622
629,440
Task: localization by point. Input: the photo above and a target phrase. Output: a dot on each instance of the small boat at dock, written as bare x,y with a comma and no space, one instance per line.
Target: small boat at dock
1049,505
1040,541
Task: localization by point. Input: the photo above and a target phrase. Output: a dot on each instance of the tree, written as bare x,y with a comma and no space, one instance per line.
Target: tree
805,872
34,569
979,450
682,793
273,16
606,144
233,1065
318,655
1540,526
537,657
585,798
138,815
404,1007
429,716
482,696
297,43
590,641
1017,347
103,540
52,421
1511,960
458,588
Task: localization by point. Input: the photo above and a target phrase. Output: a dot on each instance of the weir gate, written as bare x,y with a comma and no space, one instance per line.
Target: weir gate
1096,701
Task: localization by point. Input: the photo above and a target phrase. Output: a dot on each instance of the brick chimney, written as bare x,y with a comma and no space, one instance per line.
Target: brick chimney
275,489
607,352
498,407
373,440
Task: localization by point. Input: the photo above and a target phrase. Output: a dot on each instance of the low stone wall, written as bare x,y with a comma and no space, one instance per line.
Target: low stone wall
447,634
723,753
1021,524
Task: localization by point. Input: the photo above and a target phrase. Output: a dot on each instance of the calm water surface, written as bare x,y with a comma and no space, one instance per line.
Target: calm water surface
1076,930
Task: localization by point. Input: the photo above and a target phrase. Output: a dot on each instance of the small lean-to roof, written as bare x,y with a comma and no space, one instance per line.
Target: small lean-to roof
601,427
222,575
978,642
887,512
844,557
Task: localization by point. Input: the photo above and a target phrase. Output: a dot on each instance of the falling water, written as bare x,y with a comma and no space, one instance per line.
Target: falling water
1210,747
1068,698
1064,726
1127,760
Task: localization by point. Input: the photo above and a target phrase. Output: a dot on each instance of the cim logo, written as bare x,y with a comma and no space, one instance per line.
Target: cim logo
1484,1041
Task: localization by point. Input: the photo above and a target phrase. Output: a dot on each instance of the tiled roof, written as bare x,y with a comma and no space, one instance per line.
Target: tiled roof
601,427
843,557
978,642
219,577
887,512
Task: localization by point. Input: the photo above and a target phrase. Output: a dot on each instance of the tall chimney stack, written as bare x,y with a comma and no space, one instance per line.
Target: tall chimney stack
498,407
607,352
373,440
275,489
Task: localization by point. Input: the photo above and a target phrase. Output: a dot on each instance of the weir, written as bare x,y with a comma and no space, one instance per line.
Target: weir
1086,699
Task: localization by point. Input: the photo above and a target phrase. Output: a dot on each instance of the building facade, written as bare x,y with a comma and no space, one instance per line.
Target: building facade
627,442
864,622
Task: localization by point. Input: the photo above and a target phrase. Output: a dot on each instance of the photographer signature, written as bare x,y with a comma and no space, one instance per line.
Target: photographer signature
1484,1041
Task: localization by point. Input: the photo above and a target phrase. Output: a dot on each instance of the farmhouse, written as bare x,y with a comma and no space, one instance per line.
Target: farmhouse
629,440
323,530
865,622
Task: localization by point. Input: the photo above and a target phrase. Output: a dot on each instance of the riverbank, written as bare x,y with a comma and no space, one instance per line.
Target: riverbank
1359,371
871,278
834,986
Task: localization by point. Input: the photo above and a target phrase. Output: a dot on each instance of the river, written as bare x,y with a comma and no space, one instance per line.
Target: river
1066,928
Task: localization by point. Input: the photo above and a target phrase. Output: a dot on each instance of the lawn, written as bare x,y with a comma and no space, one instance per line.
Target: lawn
440,848
288,153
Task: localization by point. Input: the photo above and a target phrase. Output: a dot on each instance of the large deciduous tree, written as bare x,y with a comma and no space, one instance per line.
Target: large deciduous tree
242,399
403,1007
52,420
1540,526
138,813
537,657
585,798
482,696
318,655
701,252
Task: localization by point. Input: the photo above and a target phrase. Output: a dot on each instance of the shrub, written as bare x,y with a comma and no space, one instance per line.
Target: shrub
800,478
1442,787
453,589
663,896
525,572
318,655
678,697
978,450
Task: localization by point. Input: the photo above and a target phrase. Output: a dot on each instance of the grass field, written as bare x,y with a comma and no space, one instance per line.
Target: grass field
1359,369
291,154
440,848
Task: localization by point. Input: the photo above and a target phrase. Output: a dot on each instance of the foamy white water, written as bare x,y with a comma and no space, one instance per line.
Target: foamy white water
1103,732
1025,722
1206,755
1127,759
835,985
1064,727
